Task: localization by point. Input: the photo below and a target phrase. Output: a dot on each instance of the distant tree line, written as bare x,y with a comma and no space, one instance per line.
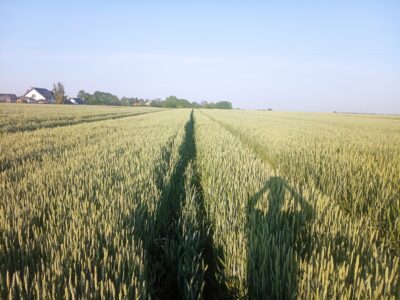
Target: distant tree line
102,98
99,98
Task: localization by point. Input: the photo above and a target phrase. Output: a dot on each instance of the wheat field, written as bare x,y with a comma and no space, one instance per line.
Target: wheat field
145,203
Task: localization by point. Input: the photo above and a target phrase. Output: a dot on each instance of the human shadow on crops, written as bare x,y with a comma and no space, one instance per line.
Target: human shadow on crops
272,236
280,235
175,258
163,248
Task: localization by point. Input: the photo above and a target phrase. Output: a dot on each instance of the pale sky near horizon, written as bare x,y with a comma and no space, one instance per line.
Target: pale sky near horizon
287,55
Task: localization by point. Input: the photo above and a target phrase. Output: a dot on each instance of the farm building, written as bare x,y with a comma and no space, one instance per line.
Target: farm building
38,95
8,98
75,101
24,100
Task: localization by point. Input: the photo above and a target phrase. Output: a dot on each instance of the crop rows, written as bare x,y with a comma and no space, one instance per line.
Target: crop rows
185,204
30,117
353,160
289,237
81,221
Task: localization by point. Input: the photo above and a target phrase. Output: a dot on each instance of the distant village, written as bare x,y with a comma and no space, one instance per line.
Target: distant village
36,95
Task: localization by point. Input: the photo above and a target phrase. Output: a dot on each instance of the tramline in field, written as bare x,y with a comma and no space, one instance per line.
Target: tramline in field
149,203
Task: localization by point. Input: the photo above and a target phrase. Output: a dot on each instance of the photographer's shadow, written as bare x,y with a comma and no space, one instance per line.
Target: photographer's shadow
277,218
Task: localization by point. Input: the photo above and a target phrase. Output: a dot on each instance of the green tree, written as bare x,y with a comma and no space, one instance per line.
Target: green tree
85,96
223,105
82,95
125,101
170,102
156,102
59,93
195,105
174,102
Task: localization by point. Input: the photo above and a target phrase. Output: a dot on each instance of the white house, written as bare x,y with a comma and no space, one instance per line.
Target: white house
39,94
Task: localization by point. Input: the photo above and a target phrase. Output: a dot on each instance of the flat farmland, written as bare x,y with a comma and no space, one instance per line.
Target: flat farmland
146,203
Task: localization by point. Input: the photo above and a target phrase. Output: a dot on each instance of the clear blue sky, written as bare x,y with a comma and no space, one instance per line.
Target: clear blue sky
288,55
